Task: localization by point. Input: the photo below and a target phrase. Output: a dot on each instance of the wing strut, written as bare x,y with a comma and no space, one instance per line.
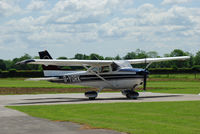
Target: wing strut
145,75
98,75
148,65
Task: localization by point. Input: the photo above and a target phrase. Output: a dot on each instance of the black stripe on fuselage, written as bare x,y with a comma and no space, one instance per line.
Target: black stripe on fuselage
104,75
109,77
87,78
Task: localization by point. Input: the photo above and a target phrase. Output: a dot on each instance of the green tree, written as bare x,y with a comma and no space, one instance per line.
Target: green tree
2,65
109,58
62,58
79,56
197,58
130,55
8,64
152,54
179,64
178,52
23,67
94,56
36,57
140,54
117,57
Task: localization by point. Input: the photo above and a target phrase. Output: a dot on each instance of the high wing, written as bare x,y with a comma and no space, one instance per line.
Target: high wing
151,60
56,62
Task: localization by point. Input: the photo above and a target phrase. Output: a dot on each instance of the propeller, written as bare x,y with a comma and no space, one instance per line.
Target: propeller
145,76
145,82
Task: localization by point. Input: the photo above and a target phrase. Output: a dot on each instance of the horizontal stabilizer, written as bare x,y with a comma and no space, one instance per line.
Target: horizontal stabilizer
42,79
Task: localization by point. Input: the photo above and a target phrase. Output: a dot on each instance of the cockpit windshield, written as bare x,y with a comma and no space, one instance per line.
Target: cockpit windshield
123,64
116,65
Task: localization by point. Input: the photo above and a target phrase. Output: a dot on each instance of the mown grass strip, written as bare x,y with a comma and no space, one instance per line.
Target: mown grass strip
176,76
182,87
135,118
19,86
17,82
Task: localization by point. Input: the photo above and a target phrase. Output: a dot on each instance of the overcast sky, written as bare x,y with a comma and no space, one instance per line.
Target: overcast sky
106,27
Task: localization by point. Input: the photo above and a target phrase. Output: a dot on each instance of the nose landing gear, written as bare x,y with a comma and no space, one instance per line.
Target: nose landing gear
91,95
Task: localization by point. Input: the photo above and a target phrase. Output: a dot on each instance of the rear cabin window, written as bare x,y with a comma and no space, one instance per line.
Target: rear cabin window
95,69
114,66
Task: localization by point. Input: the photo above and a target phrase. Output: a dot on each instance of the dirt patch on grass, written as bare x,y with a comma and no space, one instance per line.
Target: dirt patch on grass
170,79
25,90
22,90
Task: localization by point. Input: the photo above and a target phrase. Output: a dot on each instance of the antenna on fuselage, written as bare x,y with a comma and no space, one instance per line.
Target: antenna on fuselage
96,57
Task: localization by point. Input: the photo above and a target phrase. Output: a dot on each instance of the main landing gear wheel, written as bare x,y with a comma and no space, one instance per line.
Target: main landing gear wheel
91,95
130,94
92,98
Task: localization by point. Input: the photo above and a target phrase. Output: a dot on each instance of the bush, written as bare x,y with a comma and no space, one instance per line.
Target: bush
196,68
12,71
39,73
170,70
174,67
21,73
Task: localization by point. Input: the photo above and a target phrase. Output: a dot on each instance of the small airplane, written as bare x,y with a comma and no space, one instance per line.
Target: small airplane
101,74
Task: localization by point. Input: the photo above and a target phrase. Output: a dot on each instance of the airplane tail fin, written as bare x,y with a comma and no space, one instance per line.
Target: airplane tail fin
50,69
44,55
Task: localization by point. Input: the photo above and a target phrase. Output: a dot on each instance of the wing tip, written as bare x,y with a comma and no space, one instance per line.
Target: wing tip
25,62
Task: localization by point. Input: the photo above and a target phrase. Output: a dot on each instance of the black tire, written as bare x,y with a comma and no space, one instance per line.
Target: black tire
128,96
91,95
132,95
92,98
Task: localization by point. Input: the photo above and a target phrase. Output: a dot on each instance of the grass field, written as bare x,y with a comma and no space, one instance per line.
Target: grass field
186,87
20,82
176,76
162,85
135,118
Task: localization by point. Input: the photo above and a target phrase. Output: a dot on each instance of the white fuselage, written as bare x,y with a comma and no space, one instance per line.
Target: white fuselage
115,84
114,80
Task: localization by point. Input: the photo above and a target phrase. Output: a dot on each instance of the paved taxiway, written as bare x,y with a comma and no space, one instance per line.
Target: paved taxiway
15,122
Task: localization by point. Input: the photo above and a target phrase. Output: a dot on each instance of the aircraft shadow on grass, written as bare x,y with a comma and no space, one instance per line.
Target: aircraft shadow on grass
54,100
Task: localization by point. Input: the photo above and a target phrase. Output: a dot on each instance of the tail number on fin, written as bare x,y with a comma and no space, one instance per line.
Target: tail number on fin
71,78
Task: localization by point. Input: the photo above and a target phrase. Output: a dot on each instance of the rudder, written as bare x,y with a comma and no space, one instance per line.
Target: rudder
50,68
44,55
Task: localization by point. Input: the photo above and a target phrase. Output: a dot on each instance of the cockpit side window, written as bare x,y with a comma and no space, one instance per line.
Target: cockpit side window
104,69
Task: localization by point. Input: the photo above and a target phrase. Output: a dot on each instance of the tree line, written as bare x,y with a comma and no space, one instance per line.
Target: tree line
193,62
